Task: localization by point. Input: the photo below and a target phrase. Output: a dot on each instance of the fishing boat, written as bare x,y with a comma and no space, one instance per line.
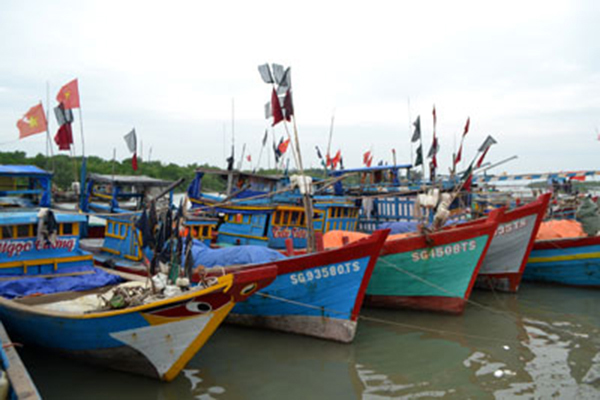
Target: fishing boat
118,201
52,296
568,261
433,271
318,294
263,210
504,263
15,381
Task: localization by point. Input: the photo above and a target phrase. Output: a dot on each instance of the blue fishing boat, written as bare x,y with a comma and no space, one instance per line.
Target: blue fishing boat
570,261
119,200
318,294
254,214
52,296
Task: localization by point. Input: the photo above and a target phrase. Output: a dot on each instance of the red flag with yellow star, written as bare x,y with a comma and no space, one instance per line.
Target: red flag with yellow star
34,121
69,95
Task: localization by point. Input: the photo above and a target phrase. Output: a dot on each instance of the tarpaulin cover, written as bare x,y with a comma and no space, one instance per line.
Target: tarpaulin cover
334,239
29,285
399,227
560,228
237,255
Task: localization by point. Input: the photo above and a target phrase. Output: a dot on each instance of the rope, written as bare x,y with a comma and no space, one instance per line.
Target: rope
387,322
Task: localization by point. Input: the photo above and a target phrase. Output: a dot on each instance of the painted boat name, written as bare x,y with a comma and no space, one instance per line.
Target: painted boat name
511,226
442,251
325,272
16,247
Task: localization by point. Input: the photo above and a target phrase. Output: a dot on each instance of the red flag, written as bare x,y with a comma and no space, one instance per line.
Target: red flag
134,163
69,95
288,106
370,161
64,137
276,108
578,178
468,183
434,118
34,121
249,158
458,155
467,126
480,161
336,159
366,156
283,146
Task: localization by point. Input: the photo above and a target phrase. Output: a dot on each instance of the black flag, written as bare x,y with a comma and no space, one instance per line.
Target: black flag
419,160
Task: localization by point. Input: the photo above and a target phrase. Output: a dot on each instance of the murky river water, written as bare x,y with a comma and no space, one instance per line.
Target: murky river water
542,343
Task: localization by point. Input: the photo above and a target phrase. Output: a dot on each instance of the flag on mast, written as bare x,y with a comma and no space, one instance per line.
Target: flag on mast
417,133
34,121
68,95
276,108
459,154
131,141
489,141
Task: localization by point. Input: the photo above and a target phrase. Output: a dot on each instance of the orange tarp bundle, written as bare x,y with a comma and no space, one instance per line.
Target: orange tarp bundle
334,239
560,228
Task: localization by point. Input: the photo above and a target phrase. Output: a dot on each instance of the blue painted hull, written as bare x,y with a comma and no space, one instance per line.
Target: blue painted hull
318,295
565,261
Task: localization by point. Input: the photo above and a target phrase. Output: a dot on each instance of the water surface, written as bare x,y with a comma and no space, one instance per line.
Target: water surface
541,343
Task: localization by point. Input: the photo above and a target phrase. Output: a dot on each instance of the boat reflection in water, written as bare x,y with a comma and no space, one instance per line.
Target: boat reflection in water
542,343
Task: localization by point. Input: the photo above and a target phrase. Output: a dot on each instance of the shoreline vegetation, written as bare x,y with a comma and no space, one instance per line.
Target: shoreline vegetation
66,169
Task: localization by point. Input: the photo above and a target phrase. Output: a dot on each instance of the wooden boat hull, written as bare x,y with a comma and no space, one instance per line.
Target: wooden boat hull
318,295
433,273
504,263
573,261
156,340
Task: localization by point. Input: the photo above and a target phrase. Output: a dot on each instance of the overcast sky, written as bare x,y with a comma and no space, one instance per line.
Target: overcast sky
526,72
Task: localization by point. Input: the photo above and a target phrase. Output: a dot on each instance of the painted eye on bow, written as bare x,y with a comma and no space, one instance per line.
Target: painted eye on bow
198,307
249,289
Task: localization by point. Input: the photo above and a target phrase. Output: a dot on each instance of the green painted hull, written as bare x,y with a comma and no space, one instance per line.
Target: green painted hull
437,278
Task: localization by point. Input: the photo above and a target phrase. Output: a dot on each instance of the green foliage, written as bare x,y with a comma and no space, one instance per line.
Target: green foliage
67,169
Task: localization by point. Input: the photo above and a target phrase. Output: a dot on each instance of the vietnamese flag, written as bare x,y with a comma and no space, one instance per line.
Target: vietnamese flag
34,121
283,146
68,95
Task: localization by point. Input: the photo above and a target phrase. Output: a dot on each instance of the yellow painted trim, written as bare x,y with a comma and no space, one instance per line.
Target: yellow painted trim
586,256
111,251
224,282
244,236
216,319
102,195
43,261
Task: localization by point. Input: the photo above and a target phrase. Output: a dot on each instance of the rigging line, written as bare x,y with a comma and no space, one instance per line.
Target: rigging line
387,322
433,285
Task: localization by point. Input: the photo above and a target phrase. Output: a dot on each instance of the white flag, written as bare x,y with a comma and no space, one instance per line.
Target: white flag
131,141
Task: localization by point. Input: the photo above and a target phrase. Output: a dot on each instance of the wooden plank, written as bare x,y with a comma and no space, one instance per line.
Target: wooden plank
19,378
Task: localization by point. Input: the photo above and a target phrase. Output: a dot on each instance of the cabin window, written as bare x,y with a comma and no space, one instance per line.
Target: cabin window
277,218
23,231
295,218
302,219
7,232
67,229
109,227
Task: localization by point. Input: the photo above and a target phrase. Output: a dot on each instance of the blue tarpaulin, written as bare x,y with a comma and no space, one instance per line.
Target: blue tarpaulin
29,284
238,255
399,227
